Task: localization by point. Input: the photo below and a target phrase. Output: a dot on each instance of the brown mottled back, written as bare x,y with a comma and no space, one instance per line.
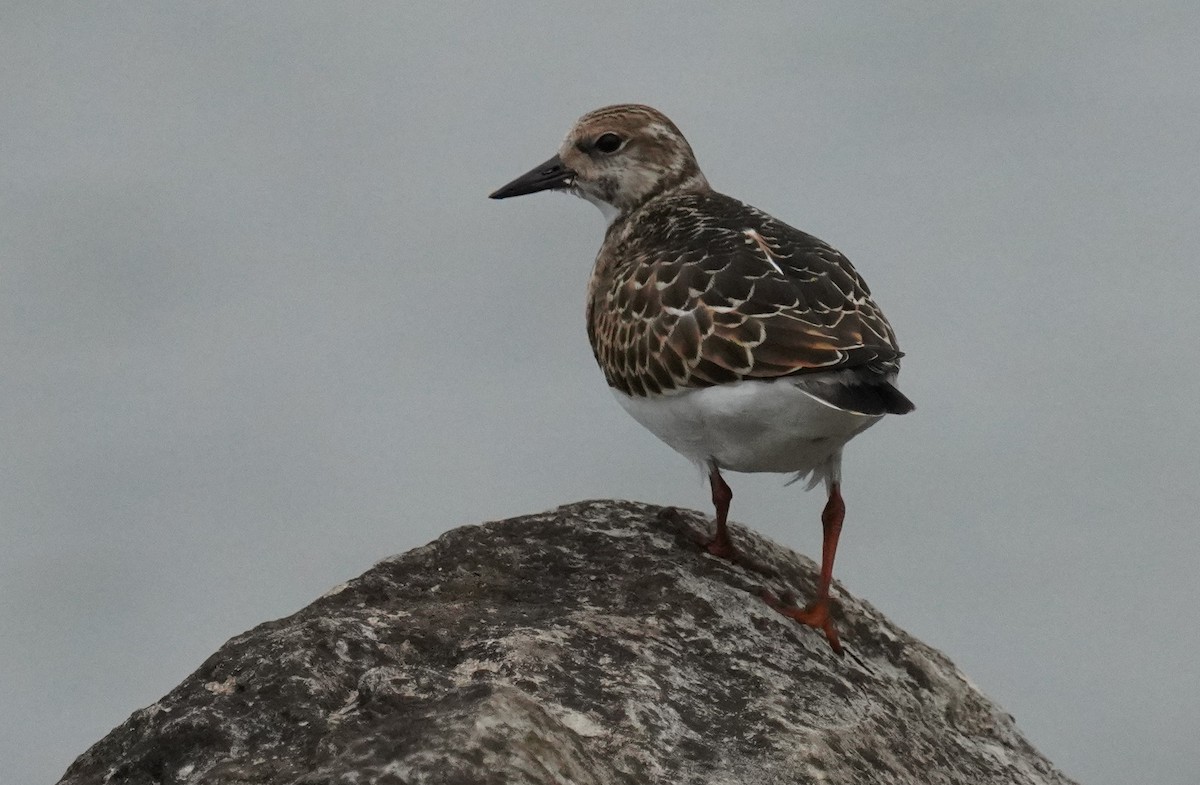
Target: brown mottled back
697,289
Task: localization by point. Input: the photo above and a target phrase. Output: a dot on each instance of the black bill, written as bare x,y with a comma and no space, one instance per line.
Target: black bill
549,175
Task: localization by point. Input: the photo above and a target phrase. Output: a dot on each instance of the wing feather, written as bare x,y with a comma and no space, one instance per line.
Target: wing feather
702,290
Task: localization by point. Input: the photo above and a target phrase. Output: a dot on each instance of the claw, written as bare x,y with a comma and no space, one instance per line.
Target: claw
816,614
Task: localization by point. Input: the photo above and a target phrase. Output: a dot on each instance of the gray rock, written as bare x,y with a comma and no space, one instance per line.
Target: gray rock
591,644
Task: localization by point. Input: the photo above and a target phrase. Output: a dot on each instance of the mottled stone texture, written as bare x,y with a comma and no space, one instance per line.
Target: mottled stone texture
595,643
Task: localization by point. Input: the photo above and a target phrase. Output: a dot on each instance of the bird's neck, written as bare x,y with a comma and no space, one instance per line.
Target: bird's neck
669,187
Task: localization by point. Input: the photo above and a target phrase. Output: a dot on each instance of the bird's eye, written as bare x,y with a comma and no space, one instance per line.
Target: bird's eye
608,143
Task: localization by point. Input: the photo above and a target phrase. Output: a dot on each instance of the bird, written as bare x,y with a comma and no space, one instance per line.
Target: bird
745,344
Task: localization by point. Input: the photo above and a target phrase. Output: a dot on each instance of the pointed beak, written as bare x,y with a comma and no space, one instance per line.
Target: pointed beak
551,174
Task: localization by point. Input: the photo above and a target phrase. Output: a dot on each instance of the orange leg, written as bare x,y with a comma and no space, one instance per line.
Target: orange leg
720,545
817,613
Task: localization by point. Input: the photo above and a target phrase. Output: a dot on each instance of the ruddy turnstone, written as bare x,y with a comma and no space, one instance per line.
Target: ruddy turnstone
741,342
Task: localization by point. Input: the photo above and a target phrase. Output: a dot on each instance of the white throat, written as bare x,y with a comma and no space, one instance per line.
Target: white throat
609,212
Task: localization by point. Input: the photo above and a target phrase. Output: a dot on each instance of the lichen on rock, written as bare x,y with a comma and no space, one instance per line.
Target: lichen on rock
594,643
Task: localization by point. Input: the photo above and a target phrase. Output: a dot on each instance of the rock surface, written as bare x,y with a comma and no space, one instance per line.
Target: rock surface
591,644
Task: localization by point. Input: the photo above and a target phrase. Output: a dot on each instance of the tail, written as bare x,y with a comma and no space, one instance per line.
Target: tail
894,401
864,396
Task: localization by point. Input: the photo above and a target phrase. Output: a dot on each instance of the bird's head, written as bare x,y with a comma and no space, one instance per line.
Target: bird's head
617,158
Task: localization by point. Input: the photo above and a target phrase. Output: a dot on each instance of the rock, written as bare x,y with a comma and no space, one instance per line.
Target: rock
591,644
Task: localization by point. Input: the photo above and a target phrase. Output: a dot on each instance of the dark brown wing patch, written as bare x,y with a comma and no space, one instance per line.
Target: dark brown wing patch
701,289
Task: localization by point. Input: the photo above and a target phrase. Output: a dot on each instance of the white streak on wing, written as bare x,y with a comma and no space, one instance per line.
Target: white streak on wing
762,244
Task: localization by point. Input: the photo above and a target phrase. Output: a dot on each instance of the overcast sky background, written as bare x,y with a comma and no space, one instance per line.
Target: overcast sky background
260,326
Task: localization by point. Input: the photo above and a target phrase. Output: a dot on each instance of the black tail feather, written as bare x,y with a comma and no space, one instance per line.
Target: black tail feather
873,398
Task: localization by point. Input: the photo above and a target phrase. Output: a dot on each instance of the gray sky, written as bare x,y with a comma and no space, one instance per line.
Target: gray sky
261,327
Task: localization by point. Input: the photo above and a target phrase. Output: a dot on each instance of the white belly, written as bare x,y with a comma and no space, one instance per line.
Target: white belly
749,426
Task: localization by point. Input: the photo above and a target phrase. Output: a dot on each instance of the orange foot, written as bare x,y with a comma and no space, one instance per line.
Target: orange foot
816,614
